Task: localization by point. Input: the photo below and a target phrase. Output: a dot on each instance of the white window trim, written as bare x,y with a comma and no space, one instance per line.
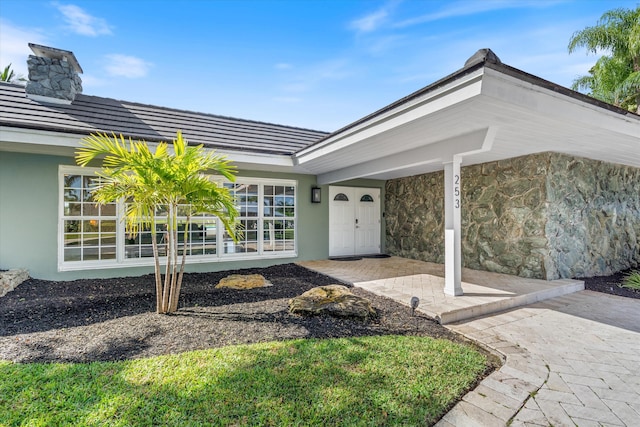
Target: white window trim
219,256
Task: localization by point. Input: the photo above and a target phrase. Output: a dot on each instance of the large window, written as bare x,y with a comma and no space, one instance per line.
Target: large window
279,218
94,236
200,237
89,230
267,217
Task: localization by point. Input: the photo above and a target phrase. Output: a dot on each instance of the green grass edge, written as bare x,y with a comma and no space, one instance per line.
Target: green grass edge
364,381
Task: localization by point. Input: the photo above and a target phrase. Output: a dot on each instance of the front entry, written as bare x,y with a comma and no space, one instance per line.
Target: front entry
354,221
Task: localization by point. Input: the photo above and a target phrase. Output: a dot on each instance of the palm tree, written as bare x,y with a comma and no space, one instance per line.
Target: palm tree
161,180
615,78
7,74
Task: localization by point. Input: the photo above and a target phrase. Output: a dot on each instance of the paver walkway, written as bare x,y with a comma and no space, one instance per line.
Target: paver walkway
570,360
484,292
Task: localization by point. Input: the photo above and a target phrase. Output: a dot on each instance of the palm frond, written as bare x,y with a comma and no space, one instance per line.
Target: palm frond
147,180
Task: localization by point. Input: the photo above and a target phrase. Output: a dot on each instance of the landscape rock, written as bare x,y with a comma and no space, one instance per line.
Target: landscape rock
243,281
335,300
12,278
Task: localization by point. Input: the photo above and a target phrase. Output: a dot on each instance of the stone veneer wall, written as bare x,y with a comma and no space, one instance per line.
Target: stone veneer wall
593,217
545,215
414,217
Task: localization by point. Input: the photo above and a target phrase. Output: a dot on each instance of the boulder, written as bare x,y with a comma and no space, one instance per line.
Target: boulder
10,279
243,281
335,300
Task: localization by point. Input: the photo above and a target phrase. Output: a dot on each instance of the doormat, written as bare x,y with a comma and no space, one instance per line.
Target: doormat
378,256
345,258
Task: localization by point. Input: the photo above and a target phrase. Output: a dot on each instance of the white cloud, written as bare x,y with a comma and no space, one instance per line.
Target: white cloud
373,20
336,69
380,45
283,66
14,48
81,22
89,81
370,22
466,8
127,66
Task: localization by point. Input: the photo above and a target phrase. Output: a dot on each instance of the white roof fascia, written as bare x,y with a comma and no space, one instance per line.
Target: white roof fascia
546,102
458,91
50,142
257,161
38,137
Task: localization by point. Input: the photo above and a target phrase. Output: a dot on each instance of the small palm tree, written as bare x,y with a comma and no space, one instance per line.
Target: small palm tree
161,180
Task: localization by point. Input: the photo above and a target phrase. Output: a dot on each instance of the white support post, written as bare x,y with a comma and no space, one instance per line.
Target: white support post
452,221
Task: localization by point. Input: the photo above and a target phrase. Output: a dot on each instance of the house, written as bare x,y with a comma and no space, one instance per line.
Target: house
489,168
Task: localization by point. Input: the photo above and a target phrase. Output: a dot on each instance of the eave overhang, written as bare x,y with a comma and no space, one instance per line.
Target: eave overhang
483,113
32,141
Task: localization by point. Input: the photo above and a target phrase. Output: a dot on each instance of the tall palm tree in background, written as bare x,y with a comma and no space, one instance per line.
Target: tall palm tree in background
7,75
162,180
615,78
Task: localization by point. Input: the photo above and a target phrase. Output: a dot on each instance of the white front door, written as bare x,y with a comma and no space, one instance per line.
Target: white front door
354,221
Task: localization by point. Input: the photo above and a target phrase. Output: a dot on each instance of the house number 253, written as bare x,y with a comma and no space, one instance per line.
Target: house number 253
456,191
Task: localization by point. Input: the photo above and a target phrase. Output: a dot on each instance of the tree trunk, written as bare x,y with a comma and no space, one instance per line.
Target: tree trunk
636,68
173,211
167,274
185,239
156,267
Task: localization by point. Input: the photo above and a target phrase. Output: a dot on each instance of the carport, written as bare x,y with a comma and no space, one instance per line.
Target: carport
486,111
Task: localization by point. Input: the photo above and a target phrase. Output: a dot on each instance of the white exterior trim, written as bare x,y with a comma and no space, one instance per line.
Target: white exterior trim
464,88
122,262
60,143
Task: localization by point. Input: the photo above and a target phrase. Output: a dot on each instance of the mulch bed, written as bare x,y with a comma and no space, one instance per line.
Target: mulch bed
611,285
115,319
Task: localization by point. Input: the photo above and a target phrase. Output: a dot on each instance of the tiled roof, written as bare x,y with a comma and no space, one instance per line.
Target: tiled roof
91,114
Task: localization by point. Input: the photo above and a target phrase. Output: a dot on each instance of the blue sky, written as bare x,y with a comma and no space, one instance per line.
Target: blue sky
307,63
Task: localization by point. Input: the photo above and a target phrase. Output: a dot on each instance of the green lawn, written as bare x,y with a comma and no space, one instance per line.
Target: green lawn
370,381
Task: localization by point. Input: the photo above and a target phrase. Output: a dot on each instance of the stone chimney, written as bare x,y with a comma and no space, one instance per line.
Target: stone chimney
482,55
53,75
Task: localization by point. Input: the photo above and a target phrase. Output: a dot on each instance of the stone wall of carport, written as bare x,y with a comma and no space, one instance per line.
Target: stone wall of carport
593,217
519,217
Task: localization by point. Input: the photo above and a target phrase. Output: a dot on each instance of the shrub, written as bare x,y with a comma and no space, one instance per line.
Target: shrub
632,280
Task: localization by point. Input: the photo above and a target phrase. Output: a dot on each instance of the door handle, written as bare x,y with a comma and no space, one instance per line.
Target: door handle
356,220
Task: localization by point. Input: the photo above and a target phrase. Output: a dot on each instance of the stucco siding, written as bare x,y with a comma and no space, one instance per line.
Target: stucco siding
29,198
28,212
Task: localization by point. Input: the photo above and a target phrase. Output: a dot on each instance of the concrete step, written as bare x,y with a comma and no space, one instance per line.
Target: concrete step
447,314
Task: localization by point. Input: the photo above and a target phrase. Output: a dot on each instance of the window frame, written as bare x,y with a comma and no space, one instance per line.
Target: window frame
121,261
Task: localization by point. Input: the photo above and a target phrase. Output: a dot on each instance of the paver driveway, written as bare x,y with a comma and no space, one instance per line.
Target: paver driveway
571,360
